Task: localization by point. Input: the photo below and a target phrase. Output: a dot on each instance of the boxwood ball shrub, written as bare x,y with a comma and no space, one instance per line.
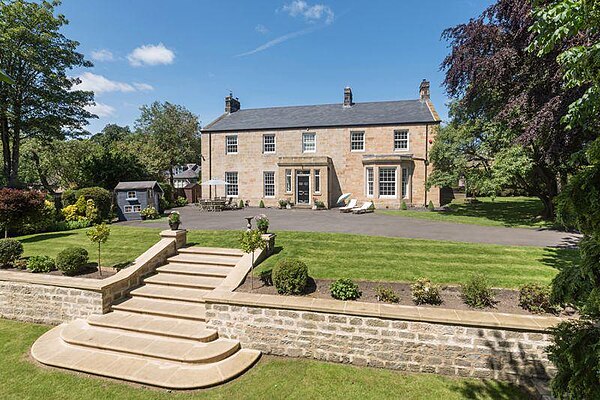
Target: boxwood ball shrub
290,276
535,298
41,264
345,289
10,251
425,292
72,260
386,295
477,292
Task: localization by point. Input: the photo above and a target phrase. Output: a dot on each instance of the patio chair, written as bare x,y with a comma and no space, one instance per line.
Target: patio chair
367,207
348,208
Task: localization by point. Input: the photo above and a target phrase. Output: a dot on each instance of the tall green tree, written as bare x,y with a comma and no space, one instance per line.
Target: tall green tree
41,102
575,349
169,135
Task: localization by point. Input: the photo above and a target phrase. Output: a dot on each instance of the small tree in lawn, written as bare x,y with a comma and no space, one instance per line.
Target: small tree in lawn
99,234
250,241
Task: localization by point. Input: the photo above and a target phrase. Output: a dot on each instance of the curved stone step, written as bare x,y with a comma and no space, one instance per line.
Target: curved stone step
79,332
164,308
153,324
189,258
188,281
196,269
51,350
170,293
211,250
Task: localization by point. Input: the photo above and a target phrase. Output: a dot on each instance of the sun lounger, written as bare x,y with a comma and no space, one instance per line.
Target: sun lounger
348,208
367,207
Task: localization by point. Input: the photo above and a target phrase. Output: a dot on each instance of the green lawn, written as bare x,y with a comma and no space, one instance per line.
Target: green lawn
271,378
515,212
332,255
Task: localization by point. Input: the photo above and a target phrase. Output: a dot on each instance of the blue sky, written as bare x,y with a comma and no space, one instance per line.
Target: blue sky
269,53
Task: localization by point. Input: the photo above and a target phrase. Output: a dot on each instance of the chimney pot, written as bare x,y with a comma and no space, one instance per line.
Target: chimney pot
424,90
348,97
232,104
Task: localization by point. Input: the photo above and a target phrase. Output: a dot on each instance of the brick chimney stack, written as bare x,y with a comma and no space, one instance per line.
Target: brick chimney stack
424,90
348,97
232,104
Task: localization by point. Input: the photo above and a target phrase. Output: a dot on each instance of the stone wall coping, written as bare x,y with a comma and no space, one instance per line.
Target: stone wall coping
96,285
480,319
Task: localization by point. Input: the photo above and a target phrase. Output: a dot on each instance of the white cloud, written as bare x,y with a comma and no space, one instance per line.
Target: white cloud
277,41
151,55
101,110
311,13
100,84
102,55
260,28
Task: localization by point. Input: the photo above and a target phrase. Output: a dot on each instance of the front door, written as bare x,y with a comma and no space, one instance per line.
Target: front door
303,188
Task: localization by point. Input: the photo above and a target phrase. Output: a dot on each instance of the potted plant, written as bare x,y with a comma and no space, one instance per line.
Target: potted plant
283,203
174,220
262,223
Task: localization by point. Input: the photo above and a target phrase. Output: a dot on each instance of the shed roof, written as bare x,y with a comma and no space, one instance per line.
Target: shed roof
138,185
326,115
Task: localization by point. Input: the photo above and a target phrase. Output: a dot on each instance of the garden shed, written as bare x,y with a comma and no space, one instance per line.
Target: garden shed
133,197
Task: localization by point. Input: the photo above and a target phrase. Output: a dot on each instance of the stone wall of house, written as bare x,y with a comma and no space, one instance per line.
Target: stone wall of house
346,174
46,304
448,349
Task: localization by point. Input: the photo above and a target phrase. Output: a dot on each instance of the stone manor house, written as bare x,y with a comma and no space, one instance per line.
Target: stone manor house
378,151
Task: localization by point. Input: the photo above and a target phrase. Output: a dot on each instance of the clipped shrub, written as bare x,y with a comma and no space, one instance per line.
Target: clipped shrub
72,260
181,201
102,200
344,289
403,206
42,221
241,204
477,292
290,276
425,292
282,203
386,295
430,206
319,204
150,213
10,252
70,213
261,204
20,264
92,213
41,264
81,205
535,298
266,277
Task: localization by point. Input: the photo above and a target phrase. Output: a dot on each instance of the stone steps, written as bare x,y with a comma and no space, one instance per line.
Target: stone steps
163,308
79,332
211,259
187,281
50,349
152,324
211,250
170,293
157,336
195,269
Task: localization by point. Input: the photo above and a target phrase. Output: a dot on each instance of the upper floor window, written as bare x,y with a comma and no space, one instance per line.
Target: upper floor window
269,183
131,196
309,142
231,189
357,141
268,144
400,140
231,144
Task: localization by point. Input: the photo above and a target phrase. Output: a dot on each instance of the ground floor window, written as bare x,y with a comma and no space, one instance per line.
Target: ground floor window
288,180
317,181
231,189
404,183
387,182
269,183
132,209
370,182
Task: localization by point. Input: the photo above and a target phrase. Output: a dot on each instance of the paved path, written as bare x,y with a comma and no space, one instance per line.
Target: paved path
370,224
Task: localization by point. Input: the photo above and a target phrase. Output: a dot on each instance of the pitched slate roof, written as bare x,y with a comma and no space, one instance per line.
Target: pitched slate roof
188,173
325,115
137,185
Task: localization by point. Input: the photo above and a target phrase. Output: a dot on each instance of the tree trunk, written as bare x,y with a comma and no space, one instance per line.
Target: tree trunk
41,174
13,177
99,268
172,182
5,146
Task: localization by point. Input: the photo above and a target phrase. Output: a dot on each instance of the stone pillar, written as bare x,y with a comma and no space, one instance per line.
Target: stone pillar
270,239
180,236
